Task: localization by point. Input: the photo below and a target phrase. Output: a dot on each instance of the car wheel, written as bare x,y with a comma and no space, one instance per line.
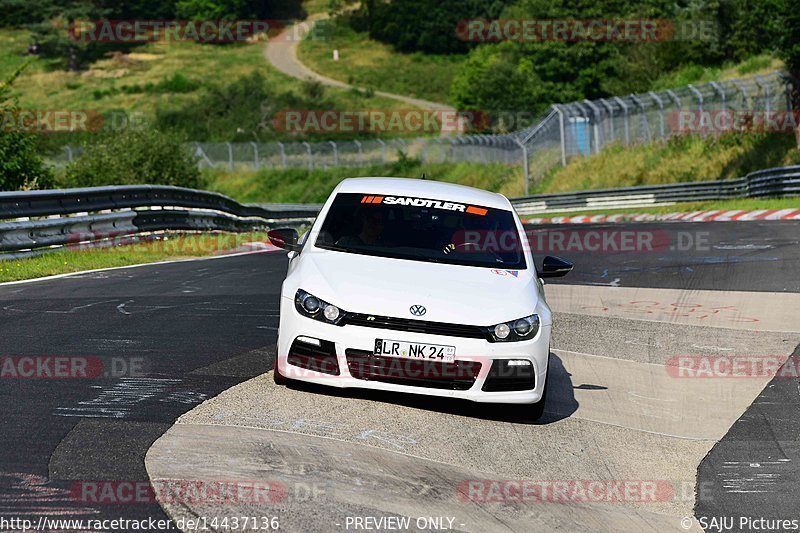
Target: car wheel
279,378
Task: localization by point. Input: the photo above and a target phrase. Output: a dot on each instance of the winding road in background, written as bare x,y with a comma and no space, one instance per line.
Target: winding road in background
281,52
201,336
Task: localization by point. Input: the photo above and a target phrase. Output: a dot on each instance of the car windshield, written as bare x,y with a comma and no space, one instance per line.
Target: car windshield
422,229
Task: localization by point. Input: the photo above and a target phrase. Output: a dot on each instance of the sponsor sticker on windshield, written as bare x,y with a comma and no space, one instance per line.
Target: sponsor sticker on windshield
424,202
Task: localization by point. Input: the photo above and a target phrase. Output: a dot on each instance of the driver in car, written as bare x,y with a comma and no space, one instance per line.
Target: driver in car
371,230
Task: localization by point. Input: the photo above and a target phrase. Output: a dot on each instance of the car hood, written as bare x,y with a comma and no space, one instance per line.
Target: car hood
389,287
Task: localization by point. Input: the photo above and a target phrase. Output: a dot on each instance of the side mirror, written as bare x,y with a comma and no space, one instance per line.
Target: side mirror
285,238
555,267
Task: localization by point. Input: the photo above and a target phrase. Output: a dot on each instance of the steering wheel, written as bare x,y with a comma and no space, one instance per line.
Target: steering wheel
464,246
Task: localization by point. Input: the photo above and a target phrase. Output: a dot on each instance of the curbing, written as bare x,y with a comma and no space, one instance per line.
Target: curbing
735,215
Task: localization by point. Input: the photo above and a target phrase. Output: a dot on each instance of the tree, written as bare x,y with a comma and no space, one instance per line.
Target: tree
428,26
135,157
56,34
239,9
21,166
790,53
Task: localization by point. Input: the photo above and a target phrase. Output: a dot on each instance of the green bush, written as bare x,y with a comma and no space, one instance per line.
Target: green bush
422,25
21,166
178,83
134,157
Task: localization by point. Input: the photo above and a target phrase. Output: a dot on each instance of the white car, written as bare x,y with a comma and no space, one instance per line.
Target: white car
416,286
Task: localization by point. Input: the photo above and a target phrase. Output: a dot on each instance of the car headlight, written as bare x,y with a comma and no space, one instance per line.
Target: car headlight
309,305
514,330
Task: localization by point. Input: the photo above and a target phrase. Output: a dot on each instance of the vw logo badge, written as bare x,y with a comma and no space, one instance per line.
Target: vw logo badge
418,310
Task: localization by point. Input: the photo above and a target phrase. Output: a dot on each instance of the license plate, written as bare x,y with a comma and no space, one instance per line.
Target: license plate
415,350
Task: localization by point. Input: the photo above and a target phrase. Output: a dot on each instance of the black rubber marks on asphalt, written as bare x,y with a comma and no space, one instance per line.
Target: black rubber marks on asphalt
754,471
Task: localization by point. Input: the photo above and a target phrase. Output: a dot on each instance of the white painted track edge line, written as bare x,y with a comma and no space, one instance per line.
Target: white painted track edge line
137,265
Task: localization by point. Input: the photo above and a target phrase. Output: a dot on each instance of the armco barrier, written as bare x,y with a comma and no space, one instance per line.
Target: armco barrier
69,201
774,182
99,213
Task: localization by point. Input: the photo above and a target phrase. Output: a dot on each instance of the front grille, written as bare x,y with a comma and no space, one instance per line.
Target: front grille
459,375
317,358
504,378
416,326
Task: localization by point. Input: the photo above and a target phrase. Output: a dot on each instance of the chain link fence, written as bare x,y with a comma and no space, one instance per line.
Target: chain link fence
566,131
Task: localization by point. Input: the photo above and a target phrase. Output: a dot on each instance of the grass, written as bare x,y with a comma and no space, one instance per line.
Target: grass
315,6
744,204
365,62
759,64
72,260
301,186
116,83
680,159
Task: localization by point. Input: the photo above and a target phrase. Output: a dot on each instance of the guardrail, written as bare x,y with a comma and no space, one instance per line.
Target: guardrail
774,182
69,201
100,213
87,215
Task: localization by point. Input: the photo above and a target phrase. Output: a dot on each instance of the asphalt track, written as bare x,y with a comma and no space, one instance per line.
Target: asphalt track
753,256
199,328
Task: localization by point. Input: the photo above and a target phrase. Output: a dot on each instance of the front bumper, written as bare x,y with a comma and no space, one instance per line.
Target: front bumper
358,338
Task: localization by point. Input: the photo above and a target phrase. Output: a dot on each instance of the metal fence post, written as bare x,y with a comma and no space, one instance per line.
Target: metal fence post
255,155
610,110
742,89
561,129
660,105
283,154
230,156
335,154
69,153
525,173
765,88
360,152
788,88
674,98
201,155
697,94
310,157
596,126
383,151
717,87
627,125
644,124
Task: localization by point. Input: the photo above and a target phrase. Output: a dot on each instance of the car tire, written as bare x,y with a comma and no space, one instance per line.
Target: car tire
279,378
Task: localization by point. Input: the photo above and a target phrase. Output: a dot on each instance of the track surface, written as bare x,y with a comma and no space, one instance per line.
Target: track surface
751,256
171,319
200,327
